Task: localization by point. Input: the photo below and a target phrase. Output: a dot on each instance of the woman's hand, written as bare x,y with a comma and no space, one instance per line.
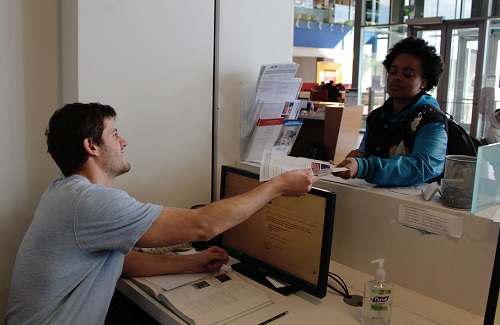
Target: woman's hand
351,164
355,153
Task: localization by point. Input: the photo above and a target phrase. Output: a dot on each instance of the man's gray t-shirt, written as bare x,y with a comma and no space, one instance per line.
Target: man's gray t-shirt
73,252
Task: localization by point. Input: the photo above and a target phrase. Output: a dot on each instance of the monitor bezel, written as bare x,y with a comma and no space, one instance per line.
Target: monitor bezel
490,314
316,289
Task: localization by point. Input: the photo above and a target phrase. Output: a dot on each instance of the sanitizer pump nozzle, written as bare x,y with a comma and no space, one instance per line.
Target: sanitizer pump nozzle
380,273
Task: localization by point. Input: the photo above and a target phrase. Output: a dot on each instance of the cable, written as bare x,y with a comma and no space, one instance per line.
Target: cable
341,283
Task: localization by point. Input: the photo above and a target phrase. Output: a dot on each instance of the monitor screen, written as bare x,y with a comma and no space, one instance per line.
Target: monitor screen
289,239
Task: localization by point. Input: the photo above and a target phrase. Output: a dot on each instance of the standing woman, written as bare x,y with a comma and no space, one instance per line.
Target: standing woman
405,139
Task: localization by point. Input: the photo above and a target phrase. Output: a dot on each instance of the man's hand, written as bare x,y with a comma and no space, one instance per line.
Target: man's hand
148,264
295,182
209,260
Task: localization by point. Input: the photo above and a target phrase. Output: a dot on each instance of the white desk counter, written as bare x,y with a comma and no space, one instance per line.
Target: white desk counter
456,271
409,308
439,279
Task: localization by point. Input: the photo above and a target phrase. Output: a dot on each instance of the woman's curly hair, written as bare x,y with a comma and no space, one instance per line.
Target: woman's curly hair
432,64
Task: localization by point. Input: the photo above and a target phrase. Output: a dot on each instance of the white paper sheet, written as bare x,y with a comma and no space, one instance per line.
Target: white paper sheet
432,221
273,164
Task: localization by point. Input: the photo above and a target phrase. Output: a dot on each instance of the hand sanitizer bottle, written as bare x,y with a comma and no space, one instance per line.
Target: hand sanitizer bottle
377,301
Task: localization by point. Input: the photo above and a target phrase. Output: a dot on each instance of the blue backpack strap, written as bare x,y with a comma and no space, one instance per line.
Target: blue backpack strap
459,140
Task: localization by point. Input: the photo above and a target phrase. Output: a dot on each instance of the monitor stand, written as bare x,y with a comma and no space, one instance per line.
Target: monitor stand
259,276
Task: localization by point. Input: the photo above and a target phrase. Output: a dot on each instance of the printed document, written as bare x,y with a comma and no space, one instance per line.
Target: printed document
431,221
278,71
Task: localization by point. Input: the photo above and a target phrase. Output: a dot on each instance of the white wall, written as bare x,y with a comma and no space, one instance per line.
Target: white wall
30,90
29,93
252,33
153,62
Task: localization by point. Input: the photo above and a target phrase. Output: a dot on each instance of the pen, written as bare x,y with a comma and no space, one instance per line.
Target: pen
274,318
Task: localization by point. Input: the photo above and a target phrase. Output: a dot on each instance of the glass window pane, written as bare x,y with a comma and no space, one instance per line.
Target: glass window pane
495,10
461,75
466,9
433,37
448,9
376,42
377,12
490,94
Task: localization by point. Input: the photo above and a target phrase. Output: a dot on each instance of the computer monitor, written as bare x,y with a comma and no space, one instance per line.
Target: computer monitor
289,239
492,314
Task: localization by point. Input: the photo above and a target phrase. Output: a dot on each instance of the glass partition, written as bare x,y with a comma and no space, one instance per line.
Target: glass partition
487,178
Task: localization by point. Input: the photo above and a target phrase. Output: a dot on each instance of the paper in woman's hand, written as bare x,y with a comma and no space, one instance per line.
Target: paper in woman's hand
321,172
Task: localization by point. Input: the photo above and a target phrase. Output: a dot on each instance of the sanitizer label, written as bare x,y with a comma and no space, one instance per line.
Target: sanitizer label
377,307
379,300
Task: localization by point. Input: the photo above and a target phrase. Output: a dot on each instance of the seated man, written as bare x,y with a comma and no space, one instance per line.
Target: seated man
74,251
333,92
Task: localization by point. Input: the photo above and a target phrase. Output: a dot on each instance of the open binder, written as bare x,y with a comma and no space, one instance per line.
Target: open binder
215,299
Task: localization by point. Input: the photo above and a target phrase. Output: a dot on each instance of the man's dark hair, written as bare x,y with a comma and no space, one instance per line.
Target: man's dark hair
432,64
67,129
